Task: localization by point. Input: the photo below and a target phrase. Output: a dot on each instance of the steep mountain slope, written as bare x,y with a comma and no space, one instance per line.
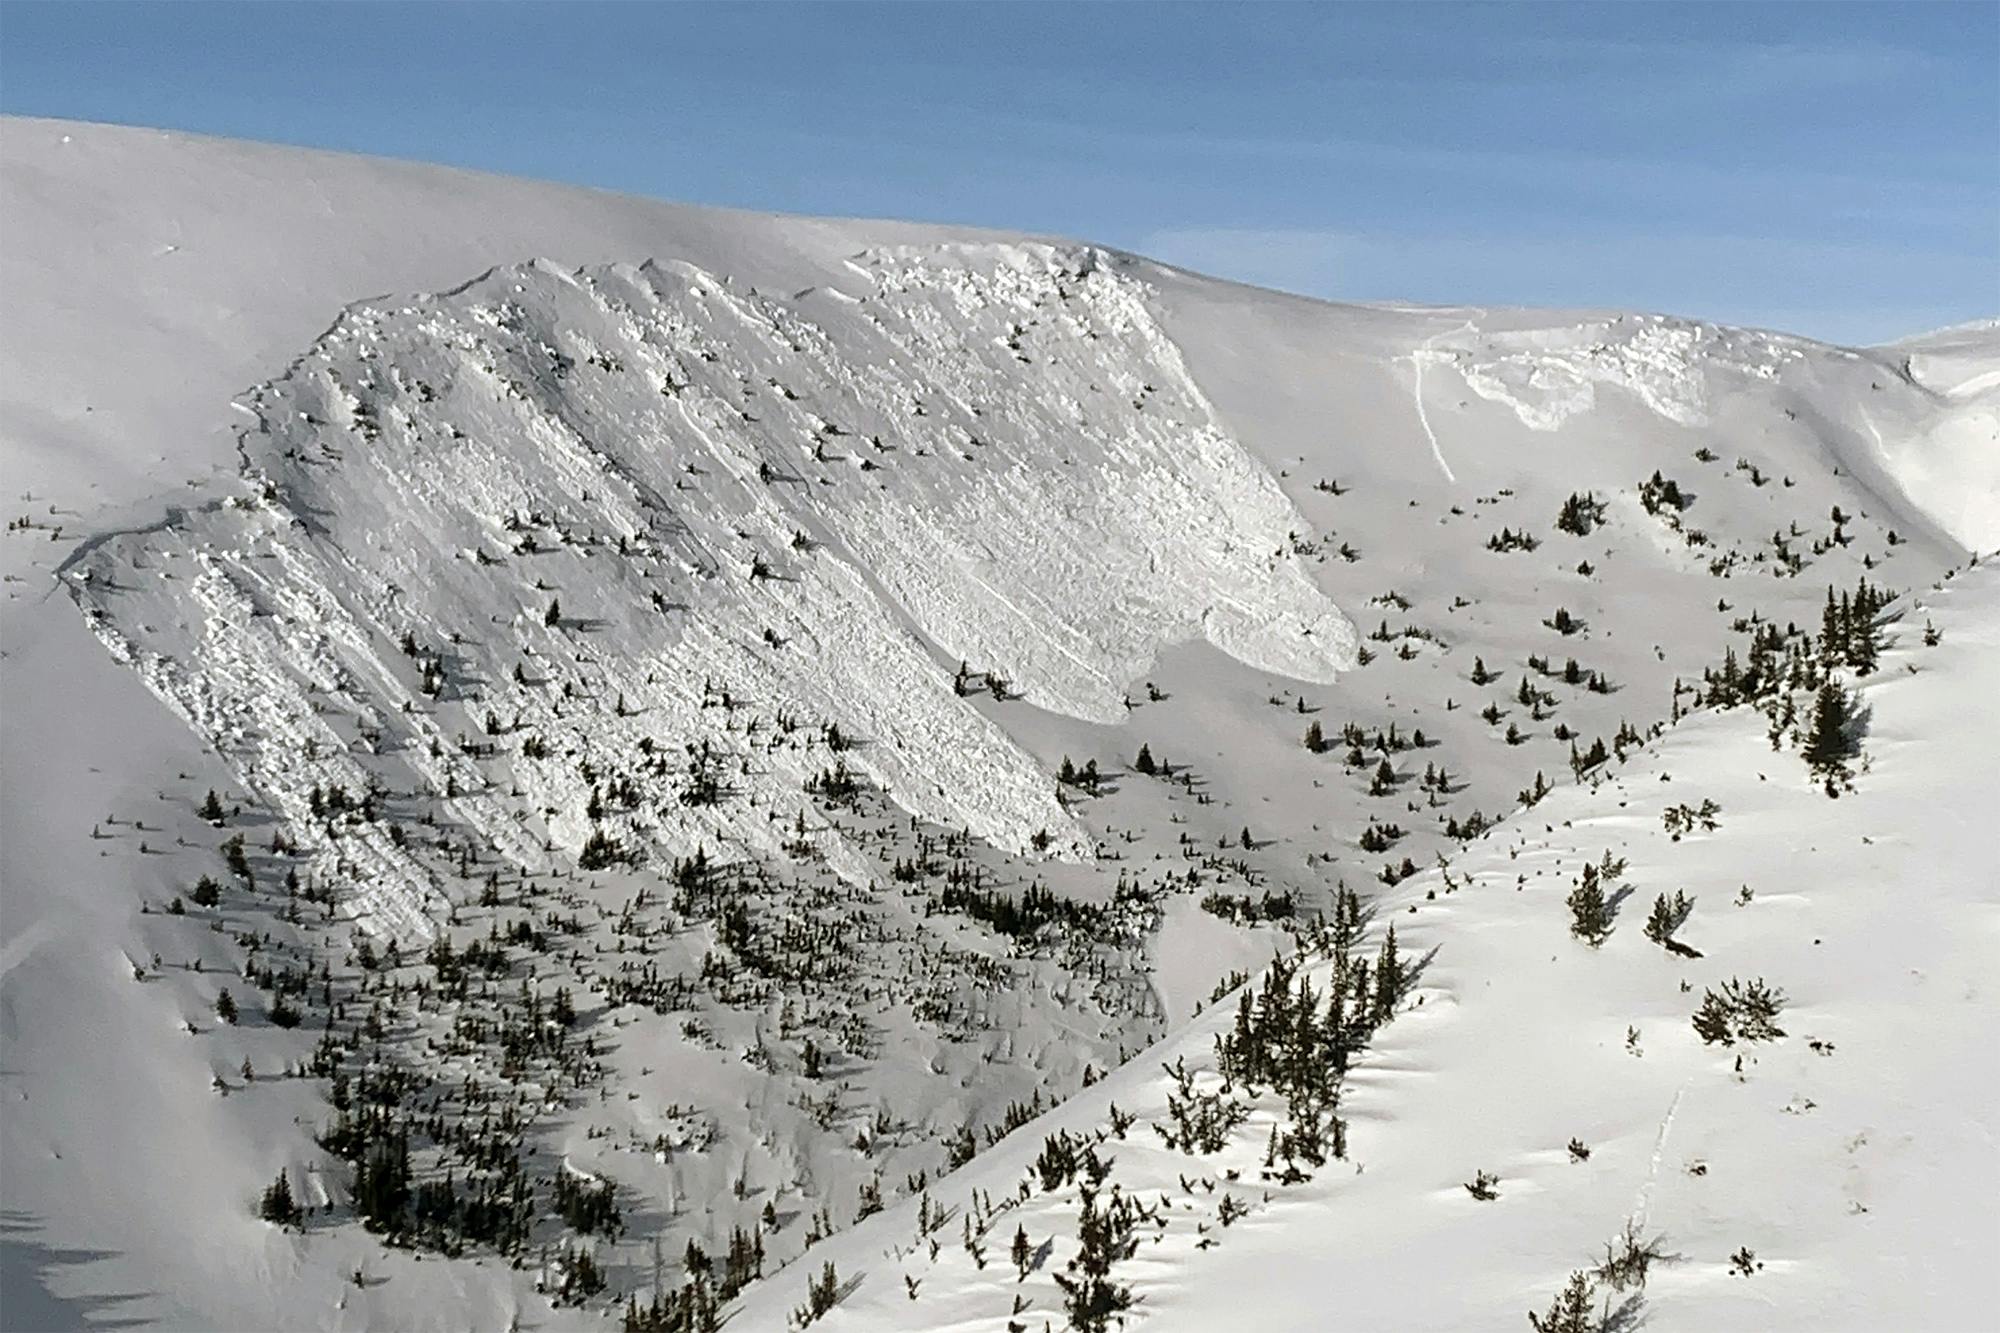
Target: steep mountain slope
687,645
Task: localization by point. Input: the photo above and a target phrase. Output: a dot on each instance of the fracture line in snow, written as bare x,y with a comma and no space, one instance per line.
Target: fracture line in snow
1423,418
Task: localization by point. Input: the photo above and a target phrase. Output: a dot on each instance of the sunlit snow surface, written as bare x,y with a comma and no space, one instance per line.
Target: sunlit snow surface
985,454
1548,377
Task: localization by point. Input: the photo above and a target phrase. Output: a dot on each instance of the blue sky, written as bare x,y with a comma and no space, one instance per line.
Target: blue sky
1832,169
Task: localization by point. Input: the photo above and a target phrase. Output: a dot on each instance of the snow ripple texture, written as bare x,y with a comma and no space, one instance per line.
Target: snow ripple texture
818,505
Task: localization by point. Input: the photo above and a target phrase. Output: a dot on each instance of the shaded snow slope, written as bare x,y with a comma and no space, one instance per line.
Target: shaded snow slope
1851,1157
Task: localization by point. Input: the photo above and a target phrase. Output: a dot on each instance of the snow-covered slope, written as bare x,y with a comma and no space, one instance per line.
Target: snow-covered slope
571,535
1851,1159
1952,465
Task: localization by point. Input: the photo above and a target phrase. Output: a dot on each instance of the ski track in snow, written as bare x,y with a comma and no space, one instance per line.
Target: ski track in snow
1645,1200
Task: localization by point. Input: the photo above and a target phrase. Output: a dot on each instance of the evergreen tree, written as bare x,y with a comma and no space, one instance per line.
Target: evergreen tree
211,809
1390,980
277,1204
1104,1235
1144,763
1570,1312
382,1184
1667,917
1021,1253
553,615
1315,739
225,1006
1590,915
822,1294
1711,1021
1827,746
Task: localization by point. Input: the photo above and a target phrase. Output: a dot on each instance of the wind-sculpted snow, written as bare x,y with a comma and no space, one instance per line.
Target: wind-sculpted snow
601,504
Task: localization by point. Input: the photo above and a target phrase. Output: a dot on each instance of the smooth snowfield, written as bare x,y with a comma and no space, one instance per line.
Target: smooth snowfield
264,413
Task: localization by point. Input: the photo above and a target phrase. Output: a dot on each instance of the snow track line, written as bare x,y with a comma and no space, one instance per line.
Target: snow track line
1659,1150
1417,358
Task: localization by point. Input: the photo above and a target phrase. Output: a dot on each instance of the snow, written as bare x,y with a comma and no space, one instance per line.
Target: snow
1106,481
1853,1158
1665,364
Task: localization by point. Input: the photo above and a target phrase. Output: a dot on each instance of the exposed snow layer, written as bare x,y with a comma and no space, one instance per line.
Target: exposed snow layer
788,497
1853,1158
1666,364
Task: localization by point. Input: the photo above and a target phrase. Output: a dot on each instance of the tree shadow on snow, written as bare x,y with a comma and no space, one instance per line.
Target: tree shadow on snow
26,1301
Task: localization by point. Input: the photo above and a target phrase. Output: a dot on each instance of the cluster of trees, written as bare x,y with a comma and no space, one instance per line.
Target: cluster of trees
1291,1039
1092,1297
1245,910
1508,540
1579,514
1659,493
1740,1011
1038,907
1780,666
1590,910
1666,919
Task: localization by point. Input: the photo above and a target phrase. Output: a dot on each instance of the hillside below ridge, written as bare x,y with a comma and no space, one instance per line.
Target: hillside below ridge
1827,1156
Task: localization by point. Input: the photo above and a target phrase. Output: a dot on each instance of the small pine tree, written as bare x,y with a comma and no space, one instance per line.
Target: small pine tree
1711,1021
553,616
1390,980
822,1294
1570,1312
1104,1234
1667,917
1315,739
1827,746
1144,763
1022,1253
211,809
225,1007
1590,915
